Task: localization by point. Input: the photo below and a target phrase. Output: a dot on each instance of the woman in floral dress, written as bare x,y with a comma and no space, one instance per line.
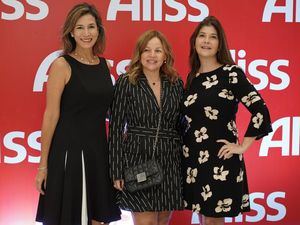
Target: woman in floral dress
215,183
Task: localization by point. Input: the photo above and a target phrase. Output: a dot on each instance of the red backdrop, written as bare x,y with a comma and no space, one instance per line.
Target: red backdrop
263,37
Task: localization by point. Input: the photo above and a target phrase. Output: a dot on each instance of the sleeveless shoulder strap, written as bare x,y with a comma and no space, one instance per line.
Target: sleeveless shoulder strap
103,62
68,58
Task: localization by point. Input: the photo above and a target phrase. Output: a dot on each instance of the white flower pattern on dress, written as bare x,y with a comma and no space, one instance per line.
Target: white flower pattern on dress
210,81
226,94
188,119
232,127
196,208
219,174
191,175
201,134
229,67
231,176
188,125
224,206
233,78
240,178
185,203
190,99
185,151
245,201
251,98
211,113
206,193
257,120
203,156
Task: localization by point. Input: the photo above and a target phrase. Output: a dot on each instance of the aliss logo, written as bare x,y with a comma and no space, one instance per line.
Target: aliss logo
256,68
269,208
275,7
19,9
152,10
250,67
288,143
41,75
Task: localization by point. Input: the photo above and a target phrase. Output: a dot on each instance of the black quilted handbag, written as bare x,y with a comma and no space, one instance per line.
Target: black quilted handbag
143,176
147,174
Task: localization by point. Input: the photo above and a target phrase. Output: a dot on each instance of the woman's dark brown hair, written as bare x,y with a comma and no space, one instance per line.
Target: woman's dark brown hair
76,12
223,54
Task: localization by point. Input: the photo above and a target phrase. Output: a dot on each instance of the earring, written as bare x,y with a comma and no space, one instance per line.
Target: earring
165,61
72,35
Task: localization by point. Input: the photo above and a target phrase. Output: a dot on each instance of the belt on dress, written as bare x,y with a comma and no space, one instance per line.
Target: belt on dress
151,132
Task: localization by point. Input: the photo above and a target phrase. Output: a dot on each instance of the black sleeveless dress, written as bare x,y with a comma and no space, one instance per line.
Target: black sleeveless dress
78,182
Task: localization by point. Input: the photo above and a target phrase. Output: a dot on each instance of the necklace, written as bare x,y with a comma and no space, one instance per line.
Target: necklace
86,61
153,82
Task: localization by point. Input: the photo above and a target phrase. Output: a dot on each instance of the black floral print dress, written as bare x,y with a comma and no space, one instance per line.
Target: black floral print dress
216,187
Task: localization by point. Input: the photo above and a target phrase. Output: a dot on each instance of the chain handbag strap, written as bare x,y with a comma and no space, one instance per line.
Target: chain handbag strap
157,130
159,122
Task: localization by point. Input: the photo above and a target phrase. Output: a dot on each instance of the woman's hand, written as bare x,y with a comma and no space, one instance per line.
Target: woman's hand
228,149
40,180
119,184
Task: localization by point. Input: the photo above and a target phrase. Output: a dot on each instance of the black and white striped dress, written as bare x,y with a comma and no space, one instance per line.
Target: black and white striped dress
136,106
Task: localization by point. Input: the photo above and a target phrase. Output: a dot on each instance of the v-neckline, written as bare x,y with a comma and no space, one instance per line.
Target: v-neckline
158,104
146,87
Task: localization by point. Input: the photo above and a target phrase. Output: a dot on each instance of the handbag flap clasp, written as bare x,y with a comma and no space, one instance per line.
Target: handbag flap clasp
141,177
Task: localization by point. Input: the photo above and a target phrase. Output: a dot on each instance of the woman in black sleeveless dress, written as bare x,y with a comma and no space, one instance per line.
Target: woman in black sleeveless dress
73,176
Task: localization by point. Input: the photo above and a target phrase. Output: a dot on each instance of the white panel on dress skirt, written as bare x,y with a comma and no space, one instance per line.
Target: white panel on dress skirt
84,217
126,219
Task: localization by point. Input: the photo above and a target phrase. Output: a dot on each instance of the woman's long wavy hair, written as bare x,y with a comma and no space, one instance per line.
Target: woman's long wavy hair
76,12
135,67
223,54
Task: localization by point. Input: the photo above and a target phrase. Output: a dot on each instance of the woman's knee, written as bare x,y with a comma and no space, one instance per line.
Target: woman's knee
212,221
94,222
145,218
164,217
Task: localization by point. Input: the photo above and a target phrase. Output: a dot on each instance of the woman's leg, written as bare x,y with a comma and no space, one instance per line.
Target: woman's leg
212,220
201,219
145,218
164,217
94,222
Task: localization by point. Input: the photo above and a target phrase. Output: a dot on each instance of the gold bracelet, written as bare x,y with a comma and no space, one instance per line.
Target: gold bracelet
42,168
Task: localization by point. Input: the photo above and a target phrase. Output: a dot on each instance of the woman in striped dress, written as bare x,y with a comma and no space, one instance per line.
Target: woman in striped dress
150,87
